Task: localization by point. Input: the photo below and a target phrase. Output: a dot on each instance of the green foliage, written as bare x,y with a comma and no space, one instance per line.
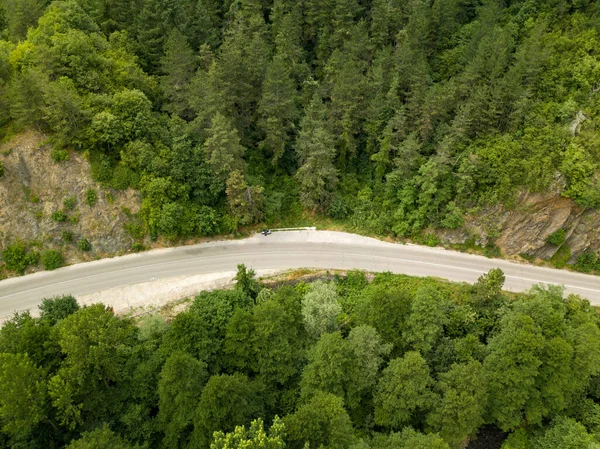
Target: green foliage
246,281
320,308
55,309
59,155
1,169
70,203
210,375
52,259
94,344
317,175
84,244
17,258
561,257
557,238
461,409
587,262
99,439
67,236
565,433
179,388
59,216
320,422
403,391
253,438
23,398
91,196
227,401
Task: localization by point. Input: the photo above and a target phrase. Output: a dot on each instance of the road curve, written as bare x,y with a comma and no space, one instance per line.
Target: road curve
281,250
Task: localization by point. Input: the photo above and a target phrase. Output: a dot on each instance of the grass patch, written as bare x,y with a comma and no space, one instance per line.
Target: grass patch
561,257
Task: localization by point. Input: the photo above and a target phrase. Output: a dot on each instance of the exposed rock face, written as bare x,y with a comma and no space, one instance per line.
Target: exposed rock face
525,228
34,186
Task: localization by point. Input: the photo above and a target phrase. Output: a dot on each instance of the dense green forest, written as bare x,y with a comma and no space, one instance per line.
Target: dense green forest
337,363
393,115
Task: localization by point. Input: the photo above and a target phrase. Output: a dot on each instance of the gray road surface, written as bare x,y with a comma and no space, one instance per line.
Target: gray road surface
284,250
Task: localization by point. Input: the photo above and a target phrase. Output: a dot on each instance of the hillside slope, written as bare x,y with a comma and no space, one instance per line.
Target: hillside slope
34,187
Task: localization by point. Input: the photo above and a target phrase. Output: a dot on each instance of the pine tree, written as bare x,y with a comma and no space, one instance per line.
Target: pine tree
178,66
277,108
315,148
245,202
154,23
223,150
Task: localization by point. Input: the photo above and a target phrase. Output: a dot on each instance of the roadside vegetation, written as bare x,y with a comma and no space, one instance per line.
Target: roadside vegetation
341,362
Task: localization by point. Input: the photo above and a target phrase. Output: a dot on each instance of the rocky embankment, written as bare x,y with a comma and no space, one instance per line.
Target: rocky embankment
525,228
49,204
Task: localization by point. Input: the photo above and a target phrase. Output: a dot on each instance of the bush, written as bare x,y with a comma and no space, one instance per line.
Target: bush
67,236
1,169
137,247
59,155
557,238
91,196
431,240
101,167
491,250
70,203
123,177
52,259
587,261
17,258
337,209
134,229
59,216
84,244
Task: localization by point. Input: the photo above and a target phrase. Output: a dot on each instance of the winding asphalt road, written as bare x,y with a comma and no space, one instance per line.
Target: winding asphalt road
281,250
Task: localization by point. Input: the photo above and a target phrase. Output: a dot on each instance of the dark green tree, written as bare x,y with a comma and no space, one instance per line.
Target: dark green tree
58,308
404,390
178,66
179,389
322,422
277,107
227,401
315,148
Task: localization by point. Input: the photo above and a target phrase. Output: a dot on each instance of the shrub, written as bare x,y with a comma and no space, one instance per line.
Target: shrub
52,259
70,203
59,155
586,262
1,169
17,258
137,247
59,216
84,245
432,240
134,229
337,209
491,250
91,196
453,218
67,236
557,238
101,167
123,177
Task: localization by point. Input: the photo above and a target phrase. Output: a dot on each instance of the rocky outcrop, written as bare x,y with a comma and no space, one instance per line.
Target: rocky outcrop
525,228
34,187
